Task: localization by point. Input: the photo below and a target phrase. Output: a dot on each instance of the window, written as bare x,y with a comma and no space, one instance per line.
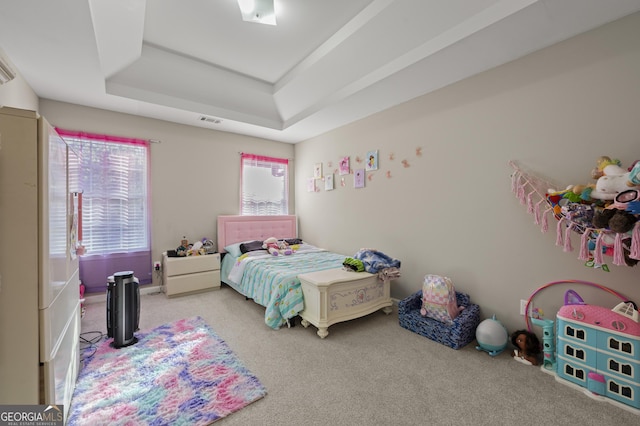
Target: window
626,369
113,175
620,346
625,391
574,372
264,186
576,353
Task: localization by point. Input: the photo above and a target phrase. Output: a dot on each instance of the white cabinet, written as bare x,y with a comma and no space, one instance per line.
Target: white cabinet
190,274
40,293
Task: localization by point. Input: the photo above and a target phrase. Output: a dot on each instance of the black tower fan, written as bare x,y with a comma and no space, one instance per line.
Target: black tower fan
123,308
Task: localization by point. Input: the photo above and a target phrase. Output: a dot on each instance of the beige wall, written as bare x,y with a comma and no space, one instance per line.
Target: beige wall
194,172
452,211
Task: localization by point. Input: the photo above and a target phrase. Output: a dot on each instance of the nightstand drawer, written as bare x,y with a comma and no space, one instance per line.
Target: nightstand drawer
191,264
190,274
192,282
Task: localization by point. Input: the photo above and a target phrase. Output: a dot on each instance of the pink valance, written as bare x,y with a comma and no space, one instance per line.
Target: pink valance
264,158
99,137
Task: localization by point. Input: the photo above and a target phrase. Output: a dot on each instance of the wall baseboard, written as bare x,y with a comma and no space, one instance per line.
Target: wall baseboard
102,297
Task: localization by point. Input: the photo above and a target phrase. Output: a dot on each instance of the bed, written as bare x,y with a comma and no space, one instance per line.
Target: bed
310,283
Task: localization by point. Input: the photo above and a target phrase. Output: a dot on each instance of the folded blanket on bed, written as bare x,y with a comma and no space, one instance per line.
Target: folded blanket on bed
374,261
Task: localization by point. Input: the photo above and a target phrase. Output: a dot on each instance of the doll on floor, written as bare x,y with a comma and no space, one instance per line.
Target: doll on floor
527,347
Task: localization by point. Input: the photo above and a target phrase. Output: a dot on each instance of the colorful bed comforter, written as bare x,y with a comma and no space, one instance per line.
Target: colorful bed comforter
272,281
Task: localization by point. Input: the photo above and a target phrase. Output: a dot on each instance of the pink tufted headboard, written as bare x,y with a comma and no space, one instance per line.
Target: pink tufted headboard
235,229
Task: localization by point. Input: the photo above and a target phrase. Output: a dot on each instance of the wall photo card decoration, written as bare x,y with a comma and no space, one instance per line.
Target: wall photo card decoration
328,182
345,168
358,178
311,184
372,160
317,171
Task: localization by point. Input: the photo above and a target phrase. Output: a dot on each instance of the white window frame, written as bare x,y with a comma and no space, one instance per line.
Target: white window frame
264,185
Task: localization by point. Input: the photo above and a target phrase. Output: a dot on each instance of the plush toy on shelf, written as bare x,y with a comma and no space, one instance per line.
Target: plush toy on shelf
613,179
605,213
634,174
614,219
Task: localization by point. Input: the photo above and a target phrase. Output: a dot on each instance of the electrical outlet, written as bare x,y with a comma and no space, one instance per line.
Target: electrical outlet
156,266
523,306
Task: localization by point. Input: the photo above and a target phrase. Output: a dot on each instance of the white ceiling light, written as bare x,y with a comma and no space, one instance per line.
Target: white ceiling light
258,11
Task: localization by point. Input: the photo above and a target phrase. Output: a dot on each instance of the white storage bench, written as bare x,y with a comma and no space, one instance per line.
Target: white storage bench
336,295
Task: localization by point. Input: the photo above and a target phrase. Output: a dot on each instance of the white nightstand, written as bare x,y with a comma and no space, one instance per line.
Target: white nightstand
190,274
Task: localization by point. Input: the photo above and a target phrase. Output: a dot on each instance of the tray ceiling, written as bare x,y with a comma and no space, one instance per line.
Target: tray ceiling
326,63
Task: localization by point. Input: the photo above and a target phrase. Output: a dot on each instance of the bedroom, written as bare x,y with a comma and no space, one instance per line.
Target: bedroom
450,211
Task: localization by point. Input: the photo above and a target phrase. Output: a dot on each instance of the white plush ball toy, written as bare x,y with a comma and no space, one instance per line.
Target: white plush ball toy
492,337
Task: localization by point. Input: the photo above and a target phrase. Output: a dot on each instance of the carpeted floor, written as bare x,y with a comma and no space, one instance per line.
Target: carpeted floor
370,371
179,373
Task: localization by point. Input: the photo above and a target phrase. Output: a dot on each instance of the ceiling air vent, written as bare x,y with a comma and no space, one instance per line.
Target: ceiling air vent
210,119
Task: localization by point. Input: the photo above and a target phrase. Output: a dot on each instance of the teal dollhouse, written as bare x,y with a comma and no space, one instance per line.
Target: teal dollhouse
598,349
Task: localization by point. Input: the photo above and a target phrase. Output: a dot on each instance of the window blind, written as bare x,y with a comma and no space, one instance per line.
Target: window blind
264,185
113,176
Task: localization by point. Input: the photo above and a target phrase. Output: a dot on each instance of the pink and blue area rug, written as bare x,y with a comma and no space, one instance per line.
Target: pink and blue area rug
180,373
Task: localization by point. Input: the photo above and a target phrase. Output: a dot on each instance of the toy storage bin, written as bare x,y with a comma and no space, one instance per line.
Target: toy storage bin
457,335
